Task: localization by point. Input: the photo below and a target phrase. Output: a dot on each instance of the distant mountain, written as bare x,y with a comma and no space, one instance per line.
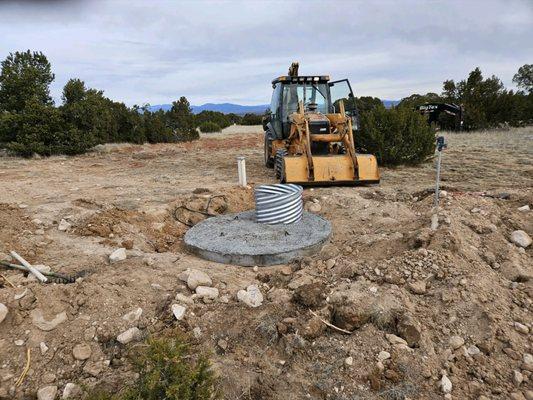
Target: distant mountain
225,108
390,103
228,108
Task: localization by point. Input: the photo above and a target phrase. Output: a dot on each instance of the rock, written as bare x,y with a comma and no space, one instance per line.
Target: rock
44,325
130,335
514,272
521,328
383,355
223,344
395,340
279,296
37,221
47,393
206,292
82,351
184,299
527,363
3,312
524,208
197,332
516,396
118,255
178,311
72,391
133,315
521,238
48,378
348,361
197,278
95,368
252,296
64,225
19,342
329,251
518,378
473,351
445,384
418,287
528,394
43,347
313,207
330,263
409,329
39,231
353,307
455,342
310,295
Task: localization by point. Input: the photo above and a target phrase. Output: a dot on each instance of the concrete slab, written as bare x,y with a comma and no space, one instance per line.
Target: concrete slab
239,239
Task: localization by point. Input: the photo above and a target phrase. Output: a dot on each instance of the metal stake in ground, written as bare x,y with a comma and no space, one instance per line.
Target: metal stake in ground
441,145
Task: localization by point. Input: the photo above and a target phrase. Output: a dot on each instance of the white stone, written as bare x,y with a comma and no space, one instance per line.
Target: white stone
521,328
348,361
206,292
473,350
64,225
252,296
528,362
197,332
524,208
133,315
43,347
132,334
47,393
445,384
518,378
198,278
178,311
118,255
521,238
184,299
456,342
71,391
82,351
19,342
3,312
37,221
383,355
395,340
40,322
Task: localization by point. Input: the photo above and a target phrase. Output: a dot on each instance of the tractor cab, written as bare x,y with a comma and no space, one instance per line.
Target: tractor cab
318,95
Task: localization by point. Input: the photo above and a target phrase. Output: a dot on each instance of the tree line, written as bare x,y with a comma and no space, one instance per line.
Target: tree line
30,122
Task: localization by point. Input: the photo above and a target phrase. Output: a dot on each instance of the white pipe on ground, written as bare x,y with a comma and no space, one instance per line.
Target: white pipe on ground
241,167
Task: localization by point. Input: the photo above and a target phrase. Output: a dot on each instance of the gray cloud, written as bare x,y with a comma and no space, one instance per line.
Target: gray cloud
219,51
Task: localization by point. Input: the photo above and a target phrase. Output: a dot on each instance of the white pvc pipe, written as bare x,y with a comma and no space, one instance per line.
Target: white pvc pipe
241,167
32,269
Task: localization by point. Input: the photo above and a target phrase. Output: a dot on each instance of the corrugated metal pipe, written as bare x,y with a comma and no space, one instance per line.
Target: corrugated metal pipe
278,204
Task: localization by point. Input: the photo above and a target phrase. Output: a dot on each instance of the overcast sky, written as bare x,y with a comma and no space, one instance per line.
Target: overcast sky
221,51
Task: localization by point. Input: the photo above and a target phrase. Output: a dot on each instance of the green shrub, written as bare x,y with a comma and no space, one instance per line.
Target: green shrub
251,119
396,136
208,126
168,369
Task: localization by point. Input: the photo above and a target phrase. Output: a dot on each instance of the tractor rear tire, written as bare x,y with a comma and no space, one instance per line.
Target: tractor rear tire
279,165
269,160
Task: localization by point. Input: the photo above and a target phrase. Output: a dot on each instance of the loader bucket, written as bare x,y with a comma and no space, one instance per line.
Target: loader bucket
333,168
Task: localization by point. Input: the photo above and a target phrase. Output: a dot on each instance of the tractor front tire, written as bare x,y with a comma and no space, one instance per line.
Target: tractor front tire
269,160
279,165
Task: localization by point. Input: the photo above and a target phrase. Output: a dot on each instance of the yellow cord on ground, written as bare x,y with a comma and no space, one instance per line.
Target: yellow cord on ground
26,369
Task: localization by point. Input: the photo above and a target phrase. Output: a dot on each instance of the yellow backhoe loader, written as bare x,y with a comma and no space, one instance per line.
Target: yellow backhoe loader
309,132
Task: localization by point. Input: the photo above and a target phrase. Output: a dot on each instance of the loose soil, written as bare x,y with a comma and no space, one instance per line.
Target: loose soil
386,279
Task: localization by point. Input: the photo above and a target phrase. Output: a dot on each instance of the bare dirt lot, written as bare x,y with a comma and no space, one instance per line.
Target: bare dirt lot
425,313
